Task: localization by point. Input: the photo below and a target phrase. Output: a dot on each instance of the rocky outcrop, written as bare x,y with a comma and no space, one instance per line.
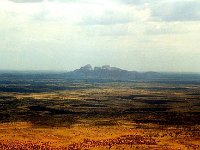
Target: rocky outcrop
86,67
107,72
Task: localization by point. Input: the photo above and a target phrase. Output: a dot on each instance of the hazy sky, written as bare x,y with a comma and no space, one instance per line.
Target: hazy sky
142,35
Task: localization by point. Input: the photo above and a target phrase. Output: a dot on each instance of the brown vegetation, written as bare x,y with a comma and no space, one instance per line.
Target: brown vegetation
27,145
123,140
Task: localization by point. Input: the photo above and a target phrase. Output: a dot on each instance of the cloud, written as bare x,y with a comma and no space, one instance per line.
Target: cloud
118,30
107,18
169,10
177,11
163,28
135,34
38,1
135,2
26,1
116,14
74,1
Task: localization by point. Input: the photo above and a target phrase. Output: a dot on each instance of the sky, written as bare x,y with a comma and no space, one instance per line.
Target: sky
141,35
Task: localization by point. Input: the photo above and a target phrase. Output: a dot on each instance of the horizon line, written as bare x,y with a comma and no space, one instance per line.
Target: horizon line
65,71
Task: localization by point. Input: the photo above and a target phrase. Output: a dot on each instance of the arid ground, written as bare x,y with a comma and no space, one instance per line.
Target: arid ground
63,114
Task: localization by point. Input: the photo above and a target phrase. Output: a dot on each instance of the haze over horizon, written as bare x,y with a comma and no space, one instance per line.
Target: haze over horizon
141,35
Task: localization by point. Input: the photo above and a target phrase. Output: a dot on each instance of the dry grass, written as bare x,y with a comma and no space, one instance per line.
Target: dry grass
82,136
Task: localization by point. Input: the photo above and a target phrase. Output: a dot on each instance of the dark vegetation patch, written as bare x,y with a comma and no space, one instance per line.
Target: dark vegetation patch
50,110
159,102
153,102
171,118
197,104
37,83
92,100
150,109
136,96
48,120
105,123
194,94
5,117
88,105
164,88
6,97
38,89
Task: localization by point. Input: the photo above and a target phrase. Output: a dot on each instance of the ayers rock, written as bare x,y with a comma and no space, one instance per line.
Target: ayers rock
108,72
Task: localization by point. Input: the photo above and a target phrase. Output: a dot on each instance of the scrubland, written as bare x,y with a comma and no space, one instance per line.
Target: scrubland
95,115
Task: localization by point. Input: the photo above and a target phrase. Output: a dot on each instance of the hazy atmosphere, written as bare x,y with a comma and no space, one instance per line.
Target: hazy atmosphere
142,35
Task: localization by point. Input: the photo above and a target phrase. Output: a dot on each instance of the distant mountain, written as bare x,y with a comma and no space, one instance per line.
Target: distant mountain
108,72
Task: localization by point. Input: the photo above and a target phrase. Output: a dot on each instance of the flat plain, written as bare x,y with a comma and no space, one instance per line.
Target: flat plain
51,112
